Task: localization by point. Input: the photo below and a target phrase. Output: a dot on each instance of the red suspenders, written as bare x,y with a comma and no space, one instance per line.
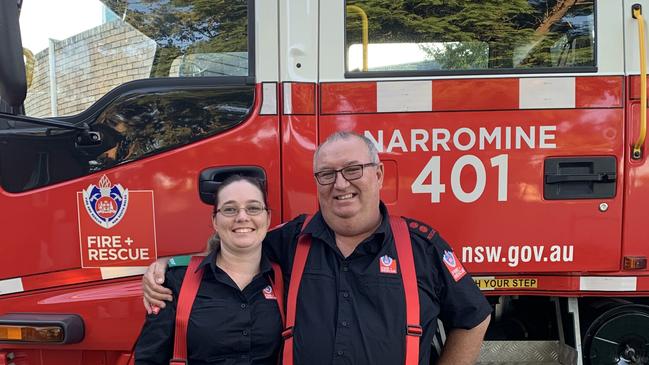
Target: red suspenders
278,288
188,290
299,261
408,276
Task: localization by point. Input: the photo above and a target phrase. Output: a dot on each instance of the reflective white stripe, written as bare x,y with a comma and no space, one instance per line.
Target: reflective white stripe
288,102
120,272
404,96
608,283
546,92
9,286
269,98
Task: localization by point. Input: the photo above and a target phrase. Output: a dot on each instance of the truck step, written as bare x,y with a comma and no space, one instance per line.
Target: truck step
526,352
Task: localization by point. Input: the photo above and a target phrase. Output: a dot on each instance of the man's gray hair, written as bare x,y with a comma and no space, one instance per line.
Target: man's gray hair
373,153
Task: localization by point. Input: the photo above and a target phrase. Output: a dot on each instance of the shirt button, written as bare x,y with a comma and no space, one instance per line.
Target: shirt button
243,305
345,294
344,323
345,268
245,333
340,353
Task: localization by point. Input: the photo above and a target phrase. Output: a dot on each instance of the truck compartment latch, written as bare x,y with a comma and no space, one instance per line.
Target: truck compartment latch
579,178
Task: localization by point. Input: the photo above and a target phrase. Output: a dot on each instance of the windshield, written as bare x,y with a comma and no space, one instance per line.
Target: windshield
82,49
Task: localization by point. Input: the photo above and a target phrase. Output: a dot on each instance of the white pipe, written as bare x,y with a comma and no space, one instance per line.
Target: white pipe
54,107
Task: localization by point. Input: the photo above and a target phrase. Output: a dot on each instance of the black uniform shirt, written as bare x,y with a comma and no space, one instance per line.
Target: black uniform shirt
350,311
226,325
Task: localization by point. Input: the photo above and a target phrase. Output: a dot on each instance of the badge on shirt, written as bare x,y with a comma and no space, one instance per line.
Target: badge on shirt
453,265
268,293
387,265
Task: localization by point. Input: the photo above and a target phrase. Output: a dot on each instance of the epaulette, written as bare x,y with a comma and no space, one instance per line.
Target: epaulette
177,261
422,230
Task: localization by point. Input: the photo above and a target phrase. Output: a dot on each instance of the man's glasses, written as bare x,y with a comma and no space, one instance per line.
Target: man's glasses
233,210
351,172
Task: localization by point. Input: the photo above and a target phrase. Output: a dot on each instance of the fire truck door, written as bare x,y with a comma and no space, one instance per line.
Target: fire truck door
298,28
636,192
165,112
168,104
511,148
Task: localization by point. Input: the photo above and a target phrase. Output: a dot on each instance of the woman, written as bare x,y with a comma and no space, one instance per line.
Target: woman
235,317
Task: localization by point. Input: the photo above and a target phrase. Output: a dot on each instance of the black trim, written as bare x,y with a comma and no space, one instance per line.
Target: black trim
504,71
595,37
209,179
345,50
72,325
251,39
153,85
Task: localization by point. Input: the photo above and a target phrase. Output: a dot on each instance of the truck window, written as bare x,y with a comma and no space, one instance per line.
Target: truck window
470,36
84,49
191,60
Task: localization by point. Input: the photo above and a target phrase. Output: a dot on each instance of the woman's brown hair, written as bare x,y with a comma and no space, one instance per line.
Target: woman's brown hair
213,242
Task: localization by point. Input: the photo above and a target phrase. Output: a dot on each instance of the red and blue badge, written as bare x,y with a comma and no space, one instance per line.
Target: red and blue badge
116,225
387,265
106,204
268,293
453,265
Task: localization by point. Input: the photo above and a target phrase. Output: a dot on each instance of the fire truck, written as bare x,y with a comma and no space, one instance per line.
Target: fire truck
516,128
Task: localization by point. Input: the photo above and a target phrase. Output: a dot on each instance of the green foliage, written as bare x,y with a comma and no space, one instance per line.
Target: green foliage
187,27
463,34
460,55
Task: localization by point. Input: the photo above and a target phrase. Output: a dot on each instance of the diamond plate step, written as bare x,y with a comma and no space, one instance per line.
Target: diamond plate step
526,352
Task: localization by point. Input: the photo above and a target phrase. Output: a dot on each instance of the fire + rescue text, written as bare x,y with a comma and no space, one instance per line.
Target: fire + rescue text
110,248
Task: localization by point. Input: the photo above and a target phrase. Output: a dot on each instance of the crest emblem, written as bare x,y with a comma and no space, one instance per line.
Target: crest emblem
268,292
449,259
387,265
453,266
105,203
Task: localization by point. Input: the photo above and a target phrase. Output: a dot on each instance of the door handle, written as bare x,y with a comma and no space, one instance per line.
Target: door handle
210,179
579,177
601,177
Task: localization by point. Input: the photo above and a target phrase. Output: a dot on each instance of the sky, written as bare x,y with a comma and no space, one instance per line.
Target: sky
59,19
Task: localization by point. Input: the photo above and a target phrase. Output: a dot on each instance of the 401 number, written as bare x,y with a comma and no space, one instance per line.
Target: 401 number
435,188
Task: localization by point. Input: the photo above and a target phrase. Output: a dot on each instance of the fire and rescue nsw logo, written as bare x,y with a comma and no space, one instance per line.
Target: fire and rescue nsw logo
116,225
106,204
387,265
453,265
268,292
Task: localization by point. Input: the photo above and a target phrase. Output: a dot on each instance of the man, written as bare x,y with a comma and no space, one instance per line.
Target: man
351,306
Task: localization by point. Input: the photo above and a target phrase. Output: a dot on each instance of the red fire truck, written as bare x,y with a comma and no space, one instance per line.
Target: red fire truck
516,128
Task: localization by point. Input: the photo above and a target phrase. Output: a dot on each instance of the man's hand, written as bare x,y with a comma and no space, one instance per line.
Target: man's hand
462,347
154,293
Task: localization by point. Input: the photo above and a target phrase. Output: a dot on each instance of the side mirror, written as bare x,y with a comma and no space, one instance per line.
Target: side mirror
13,83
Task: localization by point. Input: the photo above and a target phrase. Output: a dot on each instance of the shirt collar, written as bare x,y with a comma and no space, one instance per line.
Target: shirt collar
319,229
210,260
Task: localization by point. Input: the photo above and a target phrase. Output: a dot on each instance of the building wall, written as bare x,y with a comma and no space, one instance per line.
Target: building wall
89,65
